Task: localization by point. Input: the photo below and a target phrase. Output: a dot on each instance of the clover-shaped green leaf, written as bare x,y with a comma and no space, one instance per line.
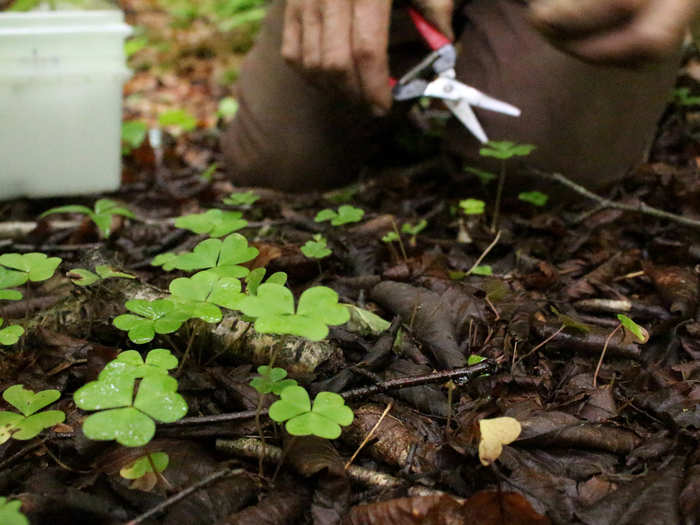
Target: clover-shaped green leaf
36,266
10,279
161,316
102,215
166,260
144,465
29,423
10,513
130,364
483,269
10,334
220,256
271,380
131,425
505,149
246,198
83,277
215,222
255,278
205,292
324,419
273,310
472,206
535,198
316,248
345,214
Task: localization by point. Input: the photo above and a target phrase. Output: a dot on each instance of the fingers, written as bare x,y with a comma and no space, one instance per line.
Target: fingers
311,35
336,47
291,31
439,13
370,42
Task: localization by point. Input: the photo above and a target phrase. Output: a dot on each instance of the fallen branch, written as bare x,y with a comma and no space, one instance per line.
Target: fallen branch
607,203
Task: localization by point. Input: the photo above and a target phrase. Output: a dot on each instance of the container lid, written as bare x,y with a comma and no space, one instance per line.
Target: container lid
61,22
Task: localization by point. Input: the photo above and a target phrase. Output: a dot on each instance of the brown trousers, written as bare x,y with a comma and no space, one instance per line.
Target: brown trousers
590,122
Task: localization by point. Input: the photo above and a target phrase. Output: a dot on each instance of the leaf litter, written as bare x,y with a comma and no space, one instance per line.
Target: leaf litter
623,451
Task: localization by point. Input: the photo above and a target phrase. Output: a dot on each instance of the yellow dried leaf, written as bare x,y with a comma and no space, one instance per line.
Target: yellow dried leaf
495,433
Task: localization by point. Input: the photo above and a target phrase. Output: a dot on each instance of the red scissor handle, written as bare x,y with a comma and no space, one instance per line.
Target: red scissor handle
432,36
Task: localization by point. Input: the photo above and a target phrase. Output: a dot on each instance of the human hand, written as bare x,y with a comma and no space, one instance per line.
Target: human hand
342,44
622,32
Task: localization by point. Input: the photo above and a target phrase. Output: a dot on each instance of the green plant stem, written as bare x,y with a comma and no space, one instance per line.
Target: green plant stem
499,195
285,451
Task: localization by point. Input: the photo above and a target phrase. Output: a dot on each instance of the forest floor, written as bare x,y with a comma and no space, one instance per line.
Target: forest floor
516,325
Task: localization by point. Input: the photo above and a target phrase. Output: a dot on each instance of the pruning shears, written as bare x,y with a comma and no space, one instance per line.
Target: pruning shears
440,64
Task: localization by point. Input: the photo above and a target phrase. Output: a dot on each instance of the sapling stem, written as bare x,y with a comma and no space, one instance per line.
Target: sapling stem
499,194
401,246
602,354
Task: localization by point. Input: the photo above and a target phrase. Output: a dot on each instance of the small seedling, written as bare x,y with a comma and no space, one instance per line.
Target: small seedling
414,230
145,464
639,332
104,211
29,422
391,236
228,107
161,316
535,198
484,176
205,292
133,134
209,172
83,277
503,150
271,380
346,214
244,198
10,513
126,418
224,257
10,334
472,206
324,419
255,278
316,248
215,223
10,279
273,310
178,120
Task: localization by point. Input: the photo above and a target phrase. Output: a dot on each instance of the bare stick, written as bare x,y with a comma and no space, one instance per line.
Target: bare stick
607,203
369,435
184,493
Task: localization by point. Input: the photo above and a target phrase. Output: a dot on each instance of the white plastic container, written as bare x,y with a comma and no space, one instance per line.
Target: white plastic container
61,77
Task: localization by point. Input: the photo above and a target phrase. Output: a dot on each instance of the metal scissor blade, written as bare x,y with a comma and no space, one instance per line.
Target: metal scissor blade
463,111
446,88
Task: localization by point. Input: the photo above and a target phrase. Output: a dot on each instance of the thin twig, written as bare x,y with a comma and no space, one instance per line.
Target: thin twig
184,493
499,196
23,451
368,436
602,354
485,253
561,329
607,203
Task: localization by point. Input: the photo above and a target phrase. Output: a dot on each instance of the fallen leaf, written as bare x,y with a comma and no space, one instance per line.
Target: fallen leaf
495,433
